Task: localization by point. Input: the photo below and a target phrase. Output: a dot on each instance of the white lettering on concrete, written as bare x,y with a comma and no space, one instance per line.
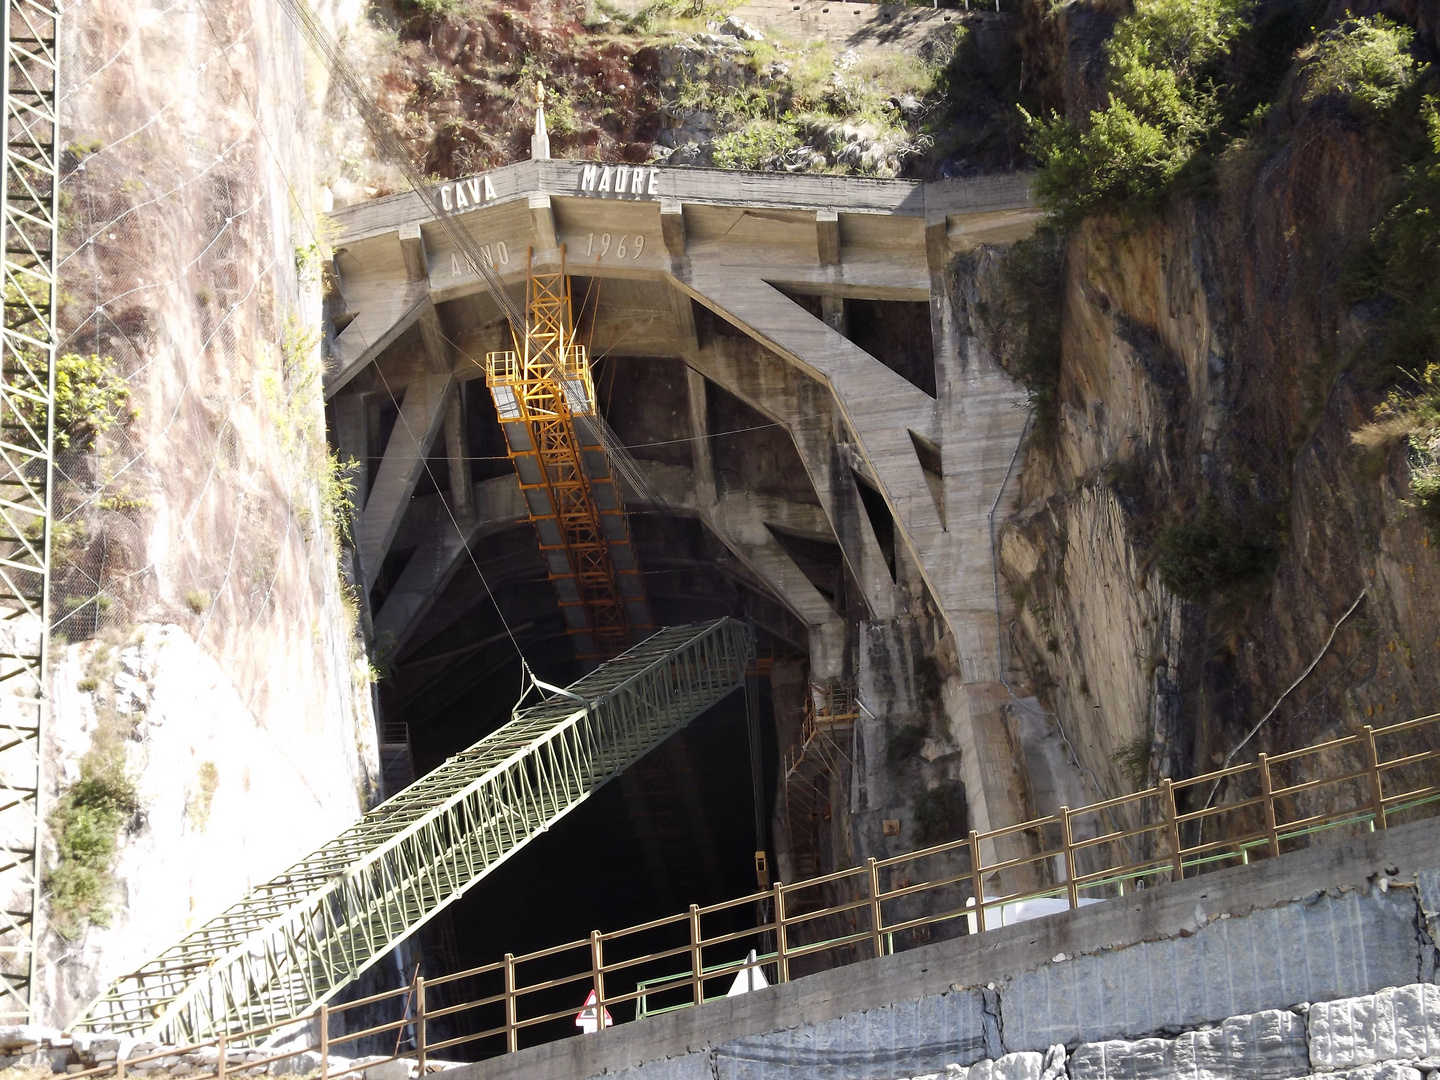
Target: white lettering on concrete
466,193
490,255
623,250
619,180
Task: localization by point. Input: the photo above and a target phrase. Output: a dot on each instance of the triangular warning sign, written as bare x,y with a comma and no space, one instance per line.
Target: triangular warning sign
585,1018
748,978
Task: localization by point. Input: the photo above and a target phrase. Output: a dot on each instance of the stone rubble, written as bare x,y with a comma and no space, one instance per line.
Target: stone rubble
1390,1035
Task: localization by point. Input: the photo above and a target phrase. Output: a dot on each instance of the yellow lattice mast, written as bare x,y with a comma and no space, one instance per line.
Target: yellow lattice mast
545,399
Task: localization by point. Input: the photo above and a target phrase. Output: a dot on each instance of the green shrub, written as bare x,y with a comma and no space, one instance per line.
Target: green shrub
941,814
91,398
1367,59
1162,104
86,824
1397,266
1213,553
757,145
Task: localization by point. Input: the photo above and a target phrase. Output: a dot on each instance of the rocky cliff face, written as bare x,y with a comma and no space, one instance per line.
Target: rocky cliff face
1205,394
212,709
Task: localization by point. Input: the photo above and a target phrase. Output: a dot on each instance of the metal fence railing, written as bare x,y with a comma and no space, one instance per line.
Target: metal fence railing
1374,779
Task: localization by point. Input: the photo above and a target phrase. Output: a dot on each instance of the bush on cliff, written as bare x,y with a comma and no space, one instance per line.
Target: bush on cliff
86,824
1212,553
1366,59
1163,85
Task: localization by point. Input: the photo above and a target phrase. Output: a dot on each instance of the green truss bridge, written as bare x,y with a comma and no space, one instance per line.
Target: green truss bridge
297,940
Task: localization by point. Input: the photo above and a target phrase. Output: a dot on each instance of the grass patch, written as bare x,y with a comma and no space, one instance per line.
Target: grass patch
197,807
756,145
1412,416
1133,759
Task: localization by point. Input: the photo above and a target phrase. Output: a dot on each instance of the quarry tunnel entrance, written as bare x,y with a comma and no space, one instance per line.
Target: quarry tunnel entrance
740,328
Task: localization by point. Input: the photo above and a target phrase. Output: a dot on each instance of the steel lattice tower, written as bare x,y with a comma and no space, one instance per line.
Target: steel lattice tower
29,192
545,399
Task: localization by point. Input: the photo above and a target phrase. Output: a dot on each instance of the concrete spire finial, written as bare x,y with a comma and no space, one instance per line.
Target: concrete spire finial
540,141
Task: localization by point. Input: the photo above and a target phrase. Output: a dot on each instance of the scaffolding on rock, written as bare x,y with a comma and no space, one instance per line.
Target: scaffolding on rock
29,191
297,940
545,400
813,764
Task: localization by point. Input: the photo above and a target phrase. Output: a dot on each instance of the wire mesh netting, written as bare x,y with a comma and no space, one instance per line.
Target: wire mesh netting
194,492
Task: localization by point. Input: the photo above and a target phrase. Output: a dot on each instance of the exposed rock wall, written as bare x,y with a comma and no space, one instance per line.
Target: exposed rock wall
1203,361
213,656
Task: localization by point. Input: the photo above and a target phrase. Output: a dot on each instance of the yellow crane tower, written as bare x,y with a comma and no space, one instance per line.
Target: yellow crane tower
545,399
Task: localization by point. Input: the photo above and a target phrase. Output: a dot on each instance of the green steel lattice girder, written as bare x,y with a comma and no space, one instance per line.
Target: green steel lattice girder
28,239
296,941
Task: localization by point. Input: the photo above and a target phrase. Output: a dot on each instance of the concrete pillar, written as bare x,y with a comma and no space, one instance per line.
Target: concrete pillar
457,451
701,450
422,412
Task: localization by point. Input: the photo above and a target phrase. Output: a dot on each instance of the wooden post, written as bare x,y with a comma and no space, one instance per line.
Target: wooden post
220,1061
119,1066
1172,819
1072,893
782,962
876,935
979,881
512,1034
1377,790
420,1024
1265,790
324,1041
597,967
697,966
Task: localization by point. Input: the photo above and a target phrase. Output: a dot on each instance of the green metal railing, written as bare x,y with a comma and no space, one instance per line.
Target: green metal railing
294,942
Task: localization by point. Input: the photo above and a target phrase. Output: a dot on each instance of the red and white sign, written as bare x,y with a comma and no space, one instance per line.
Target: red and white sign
585,1019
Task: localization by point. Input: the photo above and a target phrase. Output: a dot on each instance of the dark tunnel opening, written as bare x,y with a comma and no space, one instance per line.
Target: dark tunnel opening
678,827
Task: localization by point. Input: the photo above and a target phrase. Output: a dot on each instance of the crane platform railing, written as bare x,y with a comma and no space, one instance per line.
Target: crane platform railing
296,941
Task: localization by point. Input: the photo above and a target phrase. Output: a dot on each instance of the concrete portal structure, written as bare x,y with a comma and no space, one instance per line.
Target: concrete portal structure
821,303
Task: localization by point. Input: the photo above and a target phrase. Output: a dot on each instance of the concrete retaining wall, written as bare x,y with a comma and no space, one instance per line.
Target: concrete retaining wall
1208,977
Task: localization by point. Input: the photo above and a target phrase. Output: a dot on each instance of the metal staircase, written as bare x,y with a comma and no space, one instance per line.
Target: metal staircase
294,942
